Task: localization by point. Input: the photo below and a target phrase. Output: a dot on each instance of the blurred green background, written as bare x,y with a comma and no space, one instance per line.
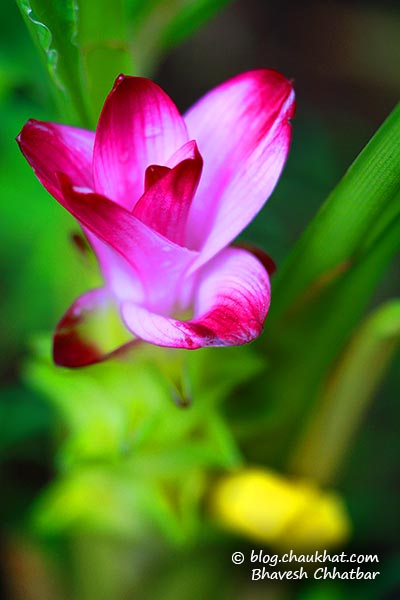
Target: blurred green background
343,58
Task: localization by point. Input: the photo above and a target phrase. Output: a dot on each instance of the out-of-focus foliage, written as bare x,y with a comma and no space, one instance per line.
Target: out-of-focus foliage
349,389
54,27
129,446
87,43
104,46
360,208
329,278
39,269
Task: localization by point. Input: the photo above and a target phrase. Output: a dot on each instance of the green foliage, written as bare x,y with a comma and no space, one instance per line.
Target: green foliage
104,46
54,28
86,44
346,395
329,279
36,240
355,212
129,444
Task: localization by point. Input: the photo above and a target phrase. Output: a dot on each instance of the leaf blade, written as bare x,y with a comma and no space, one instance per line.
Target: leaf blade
347,394
53,26
340,227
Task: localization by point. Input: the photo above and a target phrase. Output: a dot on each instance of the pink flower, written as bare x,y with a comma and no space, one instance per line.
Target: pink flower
159,218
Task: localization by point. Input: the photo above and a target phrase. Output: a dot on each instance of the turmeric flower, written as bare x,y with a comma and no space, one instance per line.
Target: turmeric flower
160,197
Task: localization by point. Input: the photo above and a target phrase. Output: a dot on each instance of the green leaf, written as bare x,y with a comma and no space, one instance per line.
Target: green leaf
311,338
347,395
142,422
157,25
328,281
354,212
93,499
86,44
104,42
152,458
54,25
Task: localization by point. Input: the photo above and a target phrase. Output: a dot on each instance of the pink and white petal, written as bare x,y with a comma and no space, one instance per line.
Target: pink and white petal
50,148
188,150
165,206
119,276
90,331
234,295
243,132
158,263
231,306
139,126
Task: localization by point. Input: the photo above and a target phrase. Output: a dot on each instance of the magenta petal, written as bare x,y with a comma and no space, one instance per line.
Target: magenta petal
232,302
243,133
83,337
165,206
153,174
156,262
50,148
139,126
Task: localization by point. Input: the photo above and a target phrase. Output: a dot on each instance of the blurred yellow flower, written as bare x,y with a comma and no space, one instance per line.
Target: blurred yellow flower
280,511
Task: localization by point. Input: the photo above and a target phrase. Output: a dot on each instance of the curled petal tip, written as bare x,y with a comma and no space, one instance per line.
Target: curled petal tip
75,353
120,80
121,77
76,342
70,349
153,174
291,111
27,125
264,258
194,150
